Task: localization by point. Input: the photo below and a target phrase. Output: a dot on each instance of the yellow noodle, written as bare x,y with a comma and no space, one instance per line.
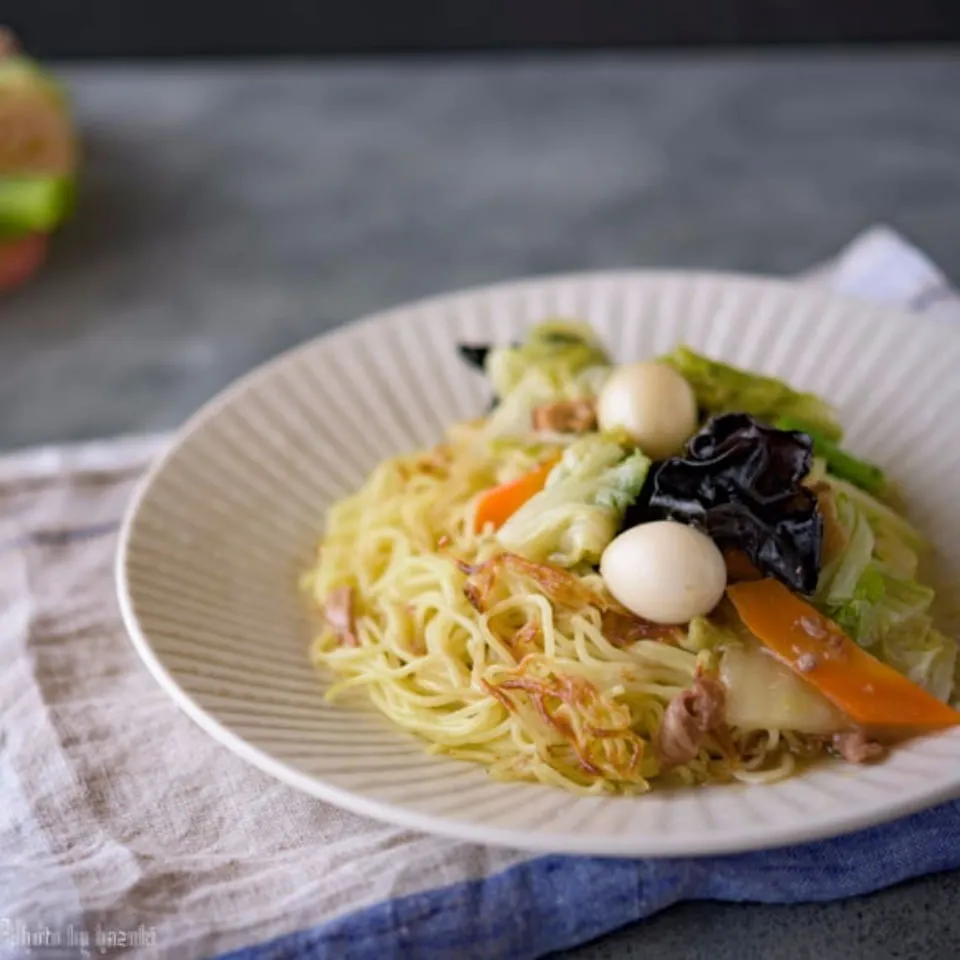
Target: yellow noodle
436,666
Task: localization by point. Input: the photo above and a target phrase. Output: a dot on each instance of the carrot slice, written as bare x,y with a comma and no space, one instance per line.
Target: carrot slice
868,691
498,504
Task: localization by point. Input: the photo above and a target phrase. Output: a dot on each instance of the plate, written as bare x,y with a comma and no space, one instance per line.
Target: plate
221,527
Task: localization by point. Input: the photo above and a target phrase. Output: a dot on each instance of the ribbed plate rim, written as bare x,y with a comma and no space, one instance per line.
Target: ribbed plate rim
670,845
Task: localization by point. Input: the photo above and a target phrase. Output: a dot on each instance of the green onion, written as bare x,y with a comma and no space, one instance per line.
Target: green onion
841,464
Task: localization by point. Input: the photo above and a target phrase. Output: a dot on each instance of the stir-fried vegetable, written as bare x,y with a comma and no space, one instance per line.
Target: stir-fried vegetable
870,590
839,577
497,505
764,694
721,388
813,646
560,360
707,635
840,463
889,527
559,349
925,655
579,511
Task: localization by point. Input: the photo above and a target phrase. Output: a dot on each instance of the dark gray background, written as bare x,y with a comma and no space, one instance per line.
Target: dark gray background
228,213
121,28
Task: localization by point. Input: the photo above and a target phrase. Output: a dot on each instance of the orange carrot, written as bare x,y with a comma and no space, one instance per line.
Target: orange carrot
498,504
868,691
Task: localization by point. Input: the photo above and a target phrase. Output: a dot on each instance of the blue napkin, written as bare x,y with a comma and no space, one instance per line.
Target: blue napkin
553,903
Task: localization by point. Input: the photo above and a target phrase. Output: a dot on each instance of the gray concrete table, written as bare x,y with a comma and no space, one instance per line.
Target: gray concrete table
228,213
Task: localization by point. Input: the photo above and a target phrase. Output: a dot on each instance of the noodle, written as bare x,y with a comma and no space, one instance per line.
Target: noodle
526,685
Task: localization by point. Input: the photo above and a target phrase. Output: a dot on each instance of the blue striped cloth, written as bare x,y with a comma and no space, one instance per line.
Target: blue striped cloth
549,903
553,903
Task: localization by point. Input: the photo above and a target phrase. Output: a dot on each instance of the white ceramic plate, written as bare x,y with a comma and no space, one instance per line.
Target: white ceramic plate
213,544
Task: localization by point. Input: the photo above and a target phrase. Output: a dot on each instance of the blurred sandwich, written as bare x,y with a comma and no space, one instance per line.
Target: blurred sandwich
38,161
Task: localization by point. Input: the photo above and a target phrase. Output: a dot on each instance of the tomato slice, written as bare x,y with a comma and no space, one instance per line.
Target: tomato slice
20,258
